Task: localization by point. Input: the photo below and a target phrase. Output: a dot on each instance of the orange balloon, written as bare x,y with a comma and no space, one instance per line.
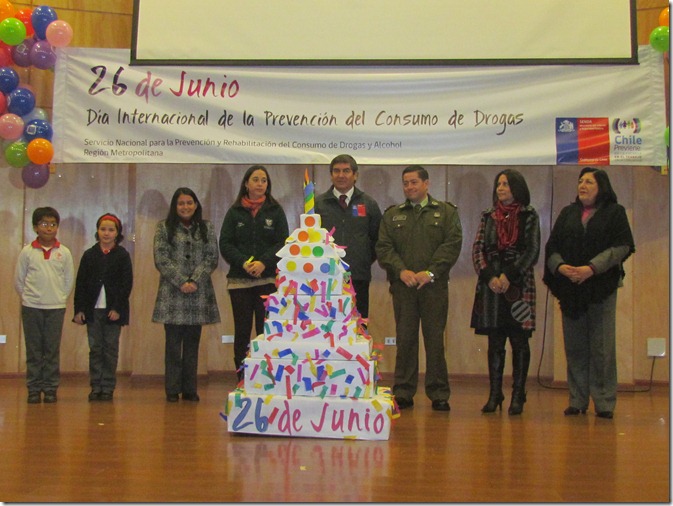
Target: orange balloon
40,151
7,10
663,17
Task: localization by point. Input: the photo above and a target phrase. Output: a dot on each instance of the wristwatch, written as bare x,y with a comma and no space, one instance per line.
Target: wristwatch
432,276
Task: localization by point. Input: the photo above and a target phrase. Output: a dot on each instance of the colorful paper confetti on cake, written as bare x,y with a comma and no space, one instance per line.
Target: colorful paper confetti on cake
313,373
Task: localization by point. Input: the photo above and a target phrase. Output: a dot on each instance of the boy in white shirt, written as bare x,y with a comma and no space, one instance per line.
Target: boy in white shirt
44,278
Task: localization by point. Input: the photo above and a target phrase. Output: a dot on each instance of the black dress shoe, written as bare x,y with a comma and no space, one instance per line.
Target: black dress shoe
441,405
49,397
94,396
572,411
605,414
172,397
191,397
105,396
34,398
404,403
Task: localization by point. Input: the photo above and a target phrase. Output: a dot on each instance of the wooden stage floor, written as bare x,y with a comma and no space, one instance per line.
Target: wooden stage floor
139,448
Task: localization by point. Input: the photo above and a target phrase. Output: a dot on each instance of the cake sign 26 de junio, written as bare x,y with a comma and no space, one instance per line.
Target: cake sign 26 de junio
292,419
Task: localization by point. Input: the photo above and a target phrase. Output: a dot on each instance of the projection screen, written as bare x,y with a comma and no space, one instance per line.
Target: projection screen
383,32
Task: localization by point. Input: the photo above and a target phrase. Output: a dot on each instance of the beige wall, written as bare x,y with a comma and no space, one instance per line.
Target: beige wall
139,194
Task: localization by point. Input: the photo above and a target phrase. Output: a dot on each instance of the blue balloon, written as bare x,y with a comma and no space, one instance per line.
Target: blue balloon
20,101
9,79
40,19
37,128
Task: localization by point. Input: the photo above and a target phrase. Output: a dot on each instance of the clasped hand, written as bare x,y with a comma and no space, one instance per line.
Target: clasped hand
499,284
576,274
254,268
80,319
417,279
189,287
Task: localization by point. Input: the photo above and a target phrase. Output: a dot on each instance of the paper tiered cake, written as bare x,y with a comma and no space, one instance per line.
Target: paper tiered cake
313,372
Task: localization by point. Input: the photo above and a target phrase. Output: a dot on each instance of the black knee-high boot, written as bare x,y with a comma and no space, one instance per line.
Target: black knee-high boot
496,365
520,363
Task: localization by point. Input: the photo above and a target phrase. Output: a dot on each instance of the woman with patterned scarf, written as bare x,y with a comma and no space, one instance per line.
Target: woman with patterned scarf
505,249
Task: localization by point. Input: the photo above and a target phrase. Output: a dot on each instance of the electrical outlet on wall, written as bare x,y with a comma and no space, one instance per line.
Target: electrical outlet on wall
389,341
3,339
226,339
656,347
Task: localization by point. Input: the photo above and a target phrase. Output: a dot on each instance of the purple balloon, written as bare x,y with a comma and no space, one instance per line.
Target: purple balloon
35,176
21,52
42,55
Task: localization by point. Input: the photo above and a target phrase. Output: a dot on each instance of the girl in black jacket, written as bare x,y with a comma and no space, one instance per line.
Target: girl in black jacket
102,290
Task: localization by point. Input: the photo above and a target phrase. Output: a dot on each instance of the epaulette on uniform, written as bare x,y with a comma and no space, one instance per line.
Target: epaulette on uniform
389,207
452,204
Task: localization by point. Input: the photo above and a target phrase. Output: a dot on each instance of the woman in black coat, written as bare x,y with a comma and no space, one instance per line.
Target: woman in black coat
253,231
583,269
505,250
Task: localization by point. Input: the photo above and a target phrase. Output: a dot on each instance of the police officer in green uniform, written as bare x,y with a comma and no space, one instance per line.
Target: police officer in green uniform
419,242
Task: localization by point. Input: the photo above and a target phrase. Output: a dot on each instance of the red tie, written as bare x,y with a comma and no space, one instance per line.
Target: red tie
342,201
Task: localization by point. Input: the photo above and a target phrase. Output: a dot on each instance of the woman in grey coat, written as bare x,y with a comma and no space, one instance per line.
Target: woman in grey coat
186,254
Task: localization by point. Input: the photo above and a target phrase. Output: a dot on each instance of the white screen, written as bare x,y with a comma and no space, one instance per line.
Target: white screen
343,32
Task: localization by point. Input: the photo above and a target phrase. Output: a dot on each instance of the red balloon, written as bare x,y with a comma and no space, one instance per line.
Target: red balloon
6,59
23,15
3,103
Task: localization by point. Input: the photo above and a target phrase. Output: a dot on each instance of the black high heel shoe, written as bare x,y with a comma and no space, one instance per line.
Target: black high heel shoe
494,401
518,400
572,411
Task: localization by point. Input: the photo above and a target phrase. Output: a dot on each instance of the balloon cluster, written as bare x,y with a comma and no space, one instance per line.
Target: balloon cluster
660,41
27,38
659,37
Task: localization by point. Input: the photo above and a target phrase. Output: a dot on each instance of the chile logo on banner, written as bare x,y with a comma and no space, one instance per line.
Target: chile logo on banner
581,141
